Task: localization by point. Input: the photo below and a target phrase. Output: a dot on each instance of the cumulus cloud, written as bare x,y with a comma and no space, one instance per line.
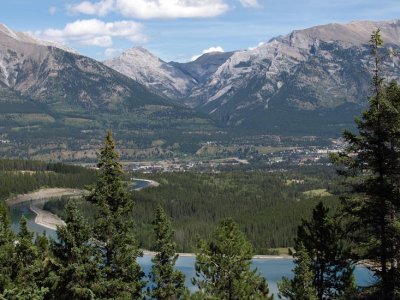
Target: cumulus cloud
94,32
250,3
209,50
153,9
259,45
100,8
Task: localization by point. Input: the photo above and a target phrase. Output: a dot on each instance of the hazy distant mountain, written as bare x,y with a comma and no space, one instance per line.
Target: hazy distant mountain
203,67
323,69
201,70
27,38
139,64
53,100
174,80
310,81
318,69
62,78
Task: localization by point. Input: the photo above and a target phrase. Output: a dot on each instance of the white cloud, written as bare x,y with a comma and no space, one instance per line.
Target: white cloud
153,9
100,8
99,41
52,10
94,32
259,45
209,50
250,3
112,52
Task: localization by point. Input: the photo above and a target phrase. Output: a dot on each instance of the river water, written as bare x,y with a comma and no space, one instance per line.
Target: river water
272,269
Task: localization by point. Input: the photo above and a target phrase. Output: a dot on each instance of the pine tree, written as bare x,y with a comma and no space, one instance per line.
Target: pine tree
6,248
114,231
223,266
167,283
47,278
26,267
321,237
301,286
371,166
77,262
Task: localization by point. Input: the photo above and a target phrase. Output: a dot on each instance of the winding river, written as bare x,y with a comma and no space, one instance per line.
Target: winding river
271,268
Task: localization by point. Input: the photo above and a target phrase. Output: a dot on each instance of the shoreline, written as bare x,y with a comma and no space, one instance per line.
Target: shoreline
44,218
257,256
43,194
151,183
49,220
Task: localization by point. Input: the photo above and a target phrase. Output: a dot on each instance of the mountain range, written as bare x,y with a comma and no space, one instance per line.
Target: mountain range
323,69
310,81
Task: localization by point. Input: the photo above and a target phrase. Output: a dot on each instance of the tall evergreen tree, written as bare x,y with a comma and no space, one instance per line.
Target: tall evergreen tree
6,248
114,231
223,266
301,286
322,238
75,257
167,283
26,267
47,278
371,165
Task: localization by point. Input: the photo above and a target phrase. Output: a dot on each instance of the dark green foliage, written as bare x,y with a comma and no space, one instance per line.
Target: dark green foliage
21,263
371,167
32,165
24,294
223,266
76,260
121,276
301,286
16,180
26,265
322,239
166,283
6,248
47,278
198,201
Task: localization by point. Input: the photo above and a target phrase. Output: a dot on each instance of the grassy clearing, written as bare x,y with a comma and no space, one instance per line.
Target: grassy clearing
29,118
80,122
317,193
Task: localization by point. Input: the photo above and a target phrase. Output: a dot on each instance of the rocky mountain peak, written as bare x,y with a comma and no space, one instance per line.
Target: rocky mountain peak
355,33
141,65
4,30
24,37
140,52
50,73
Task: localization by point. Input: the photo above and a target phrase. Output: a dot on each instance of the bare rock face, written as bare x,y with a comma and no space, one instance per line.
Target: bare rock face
320,68
171,79
53,74
309,74
142,66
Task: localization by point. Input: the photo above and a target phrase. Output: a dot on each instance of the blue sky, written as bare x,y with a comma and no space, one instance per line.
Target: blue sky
179,29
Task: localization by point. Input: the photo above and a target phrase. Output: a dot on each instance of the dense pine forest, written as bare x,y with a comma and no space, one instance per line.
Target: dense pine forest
197,202
267,207
332,222
22,176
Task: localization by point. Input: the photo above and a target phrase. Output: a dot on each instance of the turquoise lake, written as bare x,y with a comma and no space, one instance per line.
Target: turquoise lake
272,269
